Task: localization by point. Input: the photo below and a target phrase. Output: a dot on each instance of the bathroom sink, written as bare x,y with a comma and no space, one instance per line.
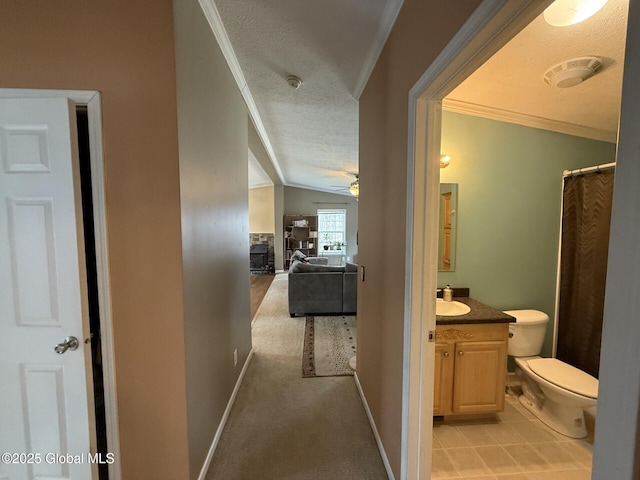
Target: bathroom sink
450,309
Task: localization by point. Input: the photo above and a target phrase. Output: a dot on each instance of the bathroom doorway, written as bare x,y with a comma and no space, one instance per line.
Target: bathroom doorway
490,27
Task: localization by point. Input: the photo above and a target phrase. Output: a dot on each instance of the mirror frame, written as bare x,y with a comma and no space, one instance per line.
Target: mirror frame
447,227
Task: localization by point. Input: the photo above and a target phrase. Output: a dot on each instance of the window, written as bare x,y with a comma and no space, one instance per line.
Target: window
332,226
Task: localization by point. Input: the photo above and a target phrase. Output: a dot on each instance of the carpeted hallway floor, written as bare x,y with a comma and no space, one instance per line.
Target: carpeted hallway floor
283,426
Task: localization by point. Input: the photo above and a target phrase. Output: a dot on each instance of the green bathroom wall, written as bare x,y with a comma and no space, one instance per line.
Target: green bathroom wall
509,203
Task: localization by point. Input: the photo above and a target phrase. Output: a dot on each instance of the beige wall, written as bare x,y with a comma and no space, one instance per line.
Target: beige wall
302,201
262,210
278,191
125,51
421,31
213,139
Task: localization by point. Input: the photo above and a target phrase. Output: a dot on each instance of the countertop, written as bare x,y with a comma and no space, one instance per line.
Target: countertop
480,313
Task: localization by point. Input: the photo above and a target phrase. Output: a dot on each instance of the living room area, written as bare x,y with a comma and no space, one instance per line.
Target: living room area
327,226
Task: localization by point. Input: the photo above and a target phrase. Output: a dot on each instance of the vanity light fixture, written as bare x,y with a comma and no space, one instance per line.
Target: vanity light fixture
444,161
563,13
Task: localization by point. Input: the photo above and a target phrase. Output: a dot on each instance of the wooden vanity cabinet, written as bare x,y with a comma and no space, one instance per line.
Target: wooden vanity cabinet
470,368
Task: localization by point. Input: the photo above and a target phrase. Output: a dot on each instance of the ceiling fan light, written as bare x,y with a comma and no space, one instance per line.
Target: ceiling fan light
563,13
354,188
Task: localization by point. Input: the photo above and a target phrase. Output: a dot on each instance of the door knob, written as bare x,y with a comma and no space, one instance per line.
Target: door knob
70,343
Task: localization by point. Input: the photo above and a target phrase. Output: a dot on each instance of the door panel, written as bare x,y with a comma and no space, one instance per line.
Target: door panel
45,397
33,268
443,379
479,377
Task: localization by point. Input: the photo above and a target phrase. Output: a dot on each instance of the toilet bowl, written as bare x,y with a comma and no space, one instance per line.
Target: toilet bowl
554,391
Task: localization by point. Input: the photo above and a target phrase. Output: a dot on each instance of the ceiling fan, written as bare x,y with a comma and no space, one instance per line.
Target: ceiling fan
353,188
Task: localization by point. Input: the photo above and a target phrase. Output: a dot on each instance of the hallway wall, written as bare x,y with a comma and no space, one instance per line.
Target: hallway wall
213,140
125,50
422,30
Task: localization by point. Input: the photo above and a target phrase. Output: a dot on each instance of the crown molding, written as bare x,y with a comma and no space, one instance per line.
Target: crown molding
260,185
492,113
344,193
215,22
389,16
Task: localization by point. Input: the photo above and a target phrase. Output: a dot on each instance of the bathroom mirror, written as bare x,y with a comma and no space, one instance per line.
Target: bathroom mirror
447,227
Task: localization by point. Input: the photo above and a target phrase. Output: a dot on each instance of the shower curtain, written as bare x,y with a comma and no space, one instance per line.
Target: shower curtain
586,217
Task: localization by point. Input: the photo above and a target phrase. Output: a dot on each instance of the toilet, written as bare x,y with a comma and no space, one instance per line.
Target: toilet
553,391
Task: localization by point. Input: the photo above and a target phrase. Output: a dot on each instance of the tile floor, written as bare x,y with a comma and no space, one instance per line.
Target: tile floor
512,445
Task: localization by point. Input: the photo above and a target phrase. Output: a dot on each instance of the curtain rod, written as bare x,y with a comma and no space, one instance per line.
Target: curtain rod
332,203
582,171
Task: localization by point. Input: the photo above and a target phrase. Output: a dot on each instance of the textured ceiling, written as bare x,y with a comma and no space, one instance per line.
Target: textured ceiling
313,130
257,176
331,45
512,80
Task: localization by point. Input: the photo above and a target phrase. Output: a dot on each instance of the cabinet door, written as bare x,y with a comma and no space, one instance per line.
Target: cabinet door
479,377
443,379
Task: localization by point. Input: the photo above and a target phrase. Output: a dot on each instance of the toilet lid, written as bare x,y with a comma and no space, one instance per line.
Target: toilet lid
565,376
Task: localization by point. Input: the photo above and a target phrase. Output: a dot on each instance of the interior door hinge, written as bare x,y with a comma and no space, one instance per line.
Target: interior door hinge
432,335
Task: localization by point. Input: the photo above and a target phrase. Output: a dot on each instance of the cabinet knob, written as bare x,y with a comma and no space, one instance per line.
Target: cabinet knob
445,354
461,353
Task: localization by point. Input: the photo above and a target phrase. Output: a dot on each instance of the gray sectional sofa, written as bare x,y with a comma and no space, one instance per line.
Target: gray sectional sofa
317,289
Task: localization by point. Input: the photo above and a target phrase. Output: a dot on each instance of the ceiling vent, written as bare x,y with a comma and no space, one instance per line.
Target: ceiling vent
572,72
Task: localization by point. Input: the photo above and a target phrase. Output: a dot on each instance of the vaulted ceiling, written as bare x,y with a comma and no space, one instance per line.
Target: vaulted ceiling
311,133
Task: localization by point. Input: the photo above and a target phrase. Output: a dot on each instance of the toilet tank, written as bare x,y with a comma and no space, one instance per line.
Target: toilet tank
526,335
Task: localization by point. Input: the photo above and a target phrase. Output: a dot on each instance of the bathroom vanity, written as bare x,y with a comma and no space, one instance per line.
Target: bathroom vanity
471,360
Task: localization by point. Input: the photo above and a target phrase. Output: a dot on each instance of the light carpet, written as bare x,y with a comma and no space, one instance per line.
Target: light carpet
329,343
286,427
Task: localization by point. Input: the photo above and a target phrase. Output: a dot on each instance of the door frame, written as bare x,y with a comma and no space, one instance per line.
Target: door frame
489,28
91,99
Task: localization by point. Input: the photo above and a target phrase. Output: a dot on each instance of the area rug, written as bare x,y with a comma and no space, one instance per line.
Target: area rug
329,343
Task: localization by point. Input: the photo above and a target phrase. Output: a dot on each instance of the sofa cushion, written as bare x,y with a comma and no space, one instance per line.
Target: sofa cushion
300,267
318,260
351,267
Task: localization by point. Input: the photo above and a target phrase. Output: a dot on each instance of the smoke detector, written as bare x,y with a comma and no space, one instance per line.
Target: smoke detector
572,72
294,81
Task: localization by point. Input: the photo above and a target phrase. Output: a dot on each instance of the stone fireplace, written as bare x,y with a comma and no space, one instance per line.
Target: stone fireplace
261,253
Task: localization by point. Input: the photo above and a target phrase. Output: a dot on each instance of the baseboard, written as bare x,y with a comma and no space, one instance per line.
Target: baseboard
225,416
383,454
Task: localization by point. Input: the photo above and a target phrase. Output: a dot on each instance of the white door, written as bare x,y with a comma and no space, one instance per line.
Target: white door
45,397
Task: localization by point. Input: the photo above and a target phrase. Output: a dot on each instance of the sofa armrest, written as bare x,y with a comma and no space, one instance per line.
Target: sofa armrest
350,292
